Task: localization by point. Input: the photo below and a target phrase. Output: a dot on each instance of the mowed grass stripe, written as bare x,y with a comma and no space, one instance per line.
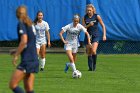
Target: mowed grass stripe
114,74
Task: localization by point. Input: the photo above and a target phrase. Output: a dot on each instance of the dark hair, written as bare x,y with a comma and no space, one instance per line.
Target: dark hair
36,18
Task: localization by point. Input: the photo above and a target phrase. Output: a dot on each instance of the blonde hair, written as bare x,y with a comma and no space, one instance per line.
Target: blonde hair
91,6
21,13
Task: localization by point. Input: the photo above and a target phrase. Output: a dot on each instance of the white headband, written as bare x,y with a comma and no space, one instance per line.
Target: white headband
76,16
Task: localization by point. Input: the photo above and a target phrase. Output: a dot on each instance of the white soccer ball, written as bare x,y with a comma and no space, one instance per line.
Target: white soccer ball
76,74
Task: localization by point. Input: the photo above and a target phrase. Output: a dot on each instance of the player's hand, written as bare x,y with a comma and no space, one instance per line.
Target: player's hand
90,45
49,44
91,24
15,58
12,51
65,42
104,38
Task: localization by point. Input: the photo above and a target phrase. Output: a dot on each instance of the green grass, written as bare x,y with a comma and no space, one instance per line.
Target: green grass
114,74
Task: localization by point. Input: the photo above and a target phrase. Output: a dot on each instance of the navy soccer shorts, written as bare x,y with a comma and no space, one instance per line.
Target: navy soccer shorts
28,67
92,38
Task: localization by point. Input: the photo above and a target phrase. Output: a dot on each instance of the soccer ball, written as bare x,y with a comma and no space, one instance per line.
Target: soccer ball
76,74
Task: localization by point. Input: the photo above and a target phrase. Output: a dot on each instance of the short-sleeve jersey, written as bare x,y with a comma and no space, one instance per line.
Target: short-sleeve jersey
92,30
41,29
72,33
29,53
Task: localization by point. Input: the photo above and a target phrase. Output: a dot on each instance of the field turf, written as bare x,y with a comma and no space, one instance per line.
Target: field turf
114,74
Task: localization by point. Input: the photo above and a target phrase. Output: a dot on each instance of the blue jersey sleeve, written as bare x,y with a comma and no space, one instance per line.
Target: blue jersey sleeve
22,29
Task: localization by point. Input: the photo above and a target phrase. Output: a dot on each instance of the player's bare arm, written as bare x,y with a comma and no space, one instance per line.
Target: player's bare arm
103,27
20,48
61,36
48,37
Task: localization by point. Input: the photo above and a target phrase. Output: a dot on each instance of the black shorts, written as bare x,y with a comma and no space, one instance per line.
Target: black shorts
92,38
29,67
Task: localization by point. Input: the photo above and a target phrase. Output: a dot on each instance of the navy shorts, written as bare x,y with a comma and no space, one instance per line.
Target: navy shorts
92,38
29,67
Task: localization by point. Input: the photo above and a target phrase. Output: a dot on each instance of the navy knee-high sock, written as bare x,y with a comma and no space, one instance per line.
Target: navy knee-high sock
94,58
18,90
90,61
30,92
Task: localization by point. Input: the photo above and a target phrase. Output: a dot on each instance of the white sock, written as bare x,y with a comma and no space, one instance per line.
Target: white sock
42,62
68,63
73,66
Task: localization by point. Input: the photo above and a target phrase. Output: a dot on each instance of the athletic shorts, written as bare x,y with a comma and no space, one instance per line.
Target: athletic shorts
40,43
29,67
92,38
71,46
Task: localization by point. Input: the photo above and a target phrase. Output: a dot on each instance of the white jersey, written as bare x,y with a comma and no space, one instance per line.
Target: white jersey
41,29
72,33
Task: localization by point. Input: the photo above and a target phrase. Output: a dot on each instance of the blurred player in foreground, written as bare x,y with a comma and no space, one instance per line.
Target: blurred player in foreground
27,50
71,42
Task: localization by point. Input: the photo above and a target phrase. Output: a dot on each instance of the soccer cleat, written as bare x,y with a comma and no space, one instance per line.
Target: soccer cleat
89,69
66,68
41,69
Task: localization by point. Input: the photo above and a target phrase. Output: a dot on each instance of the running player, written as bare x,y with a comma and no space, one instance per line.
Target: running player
27,49
90,21
42,29
71,42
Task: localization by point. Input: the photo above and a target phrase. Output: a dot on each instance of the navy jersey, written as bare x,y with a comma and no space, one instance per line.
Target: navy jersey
29,53
92,30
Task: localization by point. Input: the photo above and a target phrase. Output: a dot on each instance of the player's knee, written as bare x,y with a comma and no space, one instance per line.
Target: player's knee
28,89
71,60
89,53
12,85
94,52
42,55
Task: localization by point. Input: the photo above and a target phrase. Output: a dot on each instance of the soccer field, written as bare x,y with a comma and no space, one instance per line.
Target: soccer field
114,74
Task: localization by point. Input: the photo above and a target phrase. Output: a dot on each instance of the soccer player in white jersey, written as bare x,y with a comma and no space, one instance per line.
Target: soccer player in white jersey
42,29
71,42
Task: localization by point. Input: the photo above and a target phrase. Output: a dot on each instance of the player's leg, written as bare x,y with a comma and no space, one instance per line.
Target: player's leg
67,64
43,54
17,76
38,49
67,47
74,51
29,83
74,56
71,59
89,53
38,45
94,54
